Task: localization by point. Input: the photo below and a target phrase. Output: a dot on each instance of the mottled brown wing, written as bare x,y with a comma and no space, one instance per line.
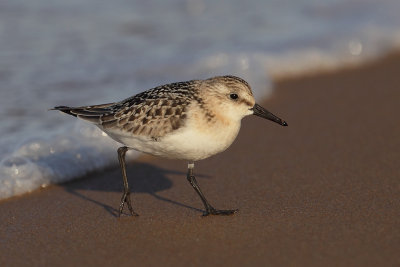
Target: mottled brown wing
150,117
155,112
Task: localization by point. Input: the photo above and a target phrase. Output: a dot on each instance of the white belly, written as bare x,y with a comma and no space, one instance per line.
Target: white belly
187,143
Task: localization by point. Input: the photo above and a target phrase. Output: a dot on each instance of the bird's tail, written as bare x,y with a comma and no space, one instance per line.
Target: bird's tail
64,109
88,113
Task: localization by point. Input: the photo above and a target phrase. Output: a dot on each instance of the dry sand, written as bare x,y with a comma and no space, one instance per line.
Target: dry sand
324,191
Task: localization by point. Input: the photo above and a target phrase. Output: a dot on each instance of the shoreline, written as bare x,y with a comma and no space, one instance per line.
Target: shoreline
323,191
349,65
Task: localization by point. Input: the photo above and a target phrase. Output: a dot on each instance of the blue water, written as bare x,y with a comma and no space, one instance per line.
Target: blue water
57,52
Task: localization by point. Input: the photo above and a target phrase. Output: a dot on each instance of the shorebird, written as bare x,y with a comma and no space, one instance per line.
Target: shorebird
190,120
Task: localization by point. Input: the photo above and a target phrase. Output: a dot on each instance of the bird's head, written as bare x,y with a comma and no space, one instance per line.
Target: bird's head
233,96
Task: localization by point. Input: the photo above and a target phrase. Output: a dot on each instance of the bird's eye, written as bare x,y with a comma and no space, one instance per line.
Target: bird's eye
233,96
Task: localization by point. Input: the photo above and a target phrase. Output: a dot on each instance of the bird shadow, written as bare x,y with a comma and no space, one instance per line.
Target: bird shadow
142,178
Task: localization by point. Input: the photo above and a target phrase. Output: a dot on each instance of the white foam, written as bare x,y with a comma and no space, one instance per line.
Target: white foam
60,157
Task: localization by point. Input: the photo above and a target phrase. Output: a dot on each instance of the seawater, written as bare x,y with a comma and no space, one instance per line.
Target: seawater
81,52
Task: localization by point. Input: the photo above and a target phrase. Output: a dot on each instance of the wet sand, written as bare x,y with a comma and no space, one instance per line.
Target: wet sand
324,191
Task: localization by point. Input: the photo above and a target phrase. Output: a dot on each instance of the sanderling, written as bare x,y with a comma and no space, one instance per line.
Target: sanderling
190,120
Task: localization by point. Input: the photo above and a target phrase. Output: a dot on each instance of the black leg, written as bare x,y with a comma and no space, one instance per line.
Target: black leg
209,209
126,196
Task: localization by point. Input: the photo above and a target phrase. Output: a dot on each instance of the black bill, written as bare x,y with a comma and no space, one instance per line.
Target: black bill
263,113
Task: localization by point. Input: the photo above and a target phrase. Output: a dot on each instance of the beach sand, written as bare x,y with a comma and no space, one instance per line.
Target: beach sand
324,191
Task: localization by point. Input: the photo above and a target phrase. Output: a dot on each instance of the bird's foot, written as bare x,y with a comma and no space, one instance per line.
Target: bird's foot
126,197
212,211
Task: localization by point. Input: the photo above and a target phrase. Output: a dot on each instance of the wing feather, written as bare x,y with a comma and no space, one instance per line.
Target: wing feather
154,113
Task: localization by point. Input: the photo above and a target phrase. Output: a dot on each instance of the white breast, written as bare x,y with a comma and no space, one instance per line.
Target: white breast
193,144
